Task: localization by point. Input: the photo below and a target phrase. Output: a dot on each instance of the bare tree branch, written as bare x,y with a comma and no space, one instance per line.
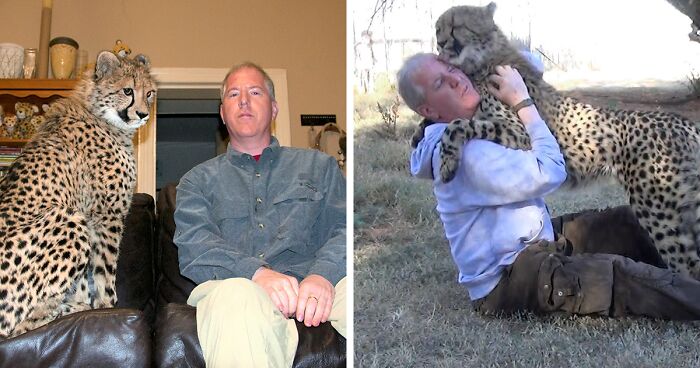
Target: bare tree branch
380,6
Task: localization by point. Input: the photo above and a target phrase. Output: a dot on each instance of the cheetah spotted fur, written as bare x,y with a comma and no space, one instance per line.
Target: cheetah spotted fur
64,200
652,154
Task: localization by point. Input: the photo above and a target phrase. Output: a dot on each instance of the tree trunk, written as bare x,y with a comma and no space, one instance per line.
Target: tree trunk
691,8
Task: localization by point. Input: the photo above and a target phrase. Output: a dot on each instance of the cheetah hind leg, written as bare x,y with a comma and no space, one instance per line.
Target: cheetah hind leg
457,133
52,309
44,316
67,232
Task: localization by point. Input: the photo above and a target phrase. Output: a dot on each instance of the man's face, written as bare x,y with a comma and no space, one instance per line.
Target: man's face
247,107
449,94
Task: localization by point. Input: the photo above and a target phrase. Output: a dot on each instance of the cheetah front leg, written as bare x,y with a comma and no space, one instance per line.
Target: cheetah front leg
103,260
664,224
459,131
419,133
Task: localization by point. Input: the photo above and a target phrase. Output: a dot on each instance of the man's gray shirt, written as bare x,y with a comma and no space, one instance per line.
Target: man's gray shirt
286,211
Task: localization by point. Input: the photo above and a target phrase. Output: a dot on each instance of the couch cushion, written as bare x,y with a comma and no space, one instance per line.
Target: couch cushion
320,346
176,344
171,286
94,338
135,275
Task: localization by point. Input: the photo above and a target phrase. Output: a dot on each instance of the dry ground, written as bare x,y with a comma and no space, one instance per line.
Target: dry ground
409,309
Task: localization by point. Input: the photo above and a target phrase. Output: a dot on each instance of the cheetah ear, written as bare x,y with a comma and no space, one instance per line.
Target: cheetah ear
143,60
106,63
491,8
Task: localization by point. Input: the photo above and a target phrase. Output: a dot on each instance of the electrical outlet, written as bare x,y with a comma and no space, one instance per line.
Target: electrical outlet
317,120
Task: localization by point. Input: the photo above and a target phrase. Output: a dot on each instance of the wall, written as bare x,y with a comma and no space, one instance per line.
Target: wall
307,38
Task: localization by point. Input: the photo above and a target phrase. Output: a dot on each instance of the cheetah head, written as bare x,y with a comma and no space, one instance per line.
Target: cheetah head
122,90
464,34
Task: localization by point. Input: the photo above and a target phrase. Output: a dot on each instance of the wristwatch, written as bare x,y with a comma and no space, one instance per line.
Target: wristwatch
524,103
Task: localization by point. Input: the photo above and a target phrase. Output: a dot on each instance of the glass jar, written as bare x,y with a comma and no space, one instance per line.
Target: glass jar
29,66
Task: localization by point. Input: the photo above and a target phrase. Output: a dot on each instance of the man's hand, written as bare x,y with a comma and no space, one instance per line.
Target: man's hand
281,288
316,296
507,85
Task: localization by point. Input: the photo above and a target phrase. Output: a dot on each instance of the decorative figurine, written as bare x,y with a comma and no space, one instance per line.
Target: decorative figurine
121,49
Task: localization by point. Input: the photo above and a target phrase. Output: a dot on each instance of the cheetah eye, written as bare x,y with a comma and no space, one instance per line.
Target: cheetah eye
128,91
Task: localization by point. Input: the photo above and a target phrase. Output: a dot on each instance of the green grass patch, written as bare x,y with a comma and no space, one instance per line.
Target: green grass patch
411,312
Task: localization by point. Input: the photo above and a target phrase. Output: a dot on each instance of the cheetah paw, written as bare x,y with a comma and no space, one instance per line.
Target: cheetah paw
448,169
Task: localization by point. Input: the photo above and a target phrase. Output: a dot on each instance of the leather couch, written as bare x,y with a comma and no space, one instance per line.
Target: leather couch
151,326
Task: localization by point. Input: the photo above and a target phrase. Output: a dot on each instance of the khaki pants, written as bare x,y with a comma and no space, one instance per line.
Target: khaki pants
238,326
557,276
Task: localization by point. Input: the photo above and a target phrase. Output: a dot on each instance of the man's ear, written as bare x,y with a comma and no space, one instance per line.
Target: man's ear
221,113
428,112
275,109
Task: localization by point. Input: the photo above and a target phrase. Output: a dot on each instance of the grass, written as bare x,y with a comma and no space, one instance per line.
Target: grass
411,312
693,84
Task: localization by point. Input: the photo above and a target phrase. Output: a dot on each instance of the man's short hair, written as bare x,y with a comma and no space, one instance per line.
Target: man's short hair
412,94
266,78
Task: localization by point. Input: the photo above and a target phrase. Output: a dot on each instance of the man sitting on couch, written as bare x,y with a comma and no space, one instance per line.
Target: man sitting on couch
261,230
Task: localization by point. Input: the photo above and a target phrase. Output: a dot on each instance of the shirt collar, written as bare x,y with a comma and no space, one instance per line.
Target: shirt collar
270,152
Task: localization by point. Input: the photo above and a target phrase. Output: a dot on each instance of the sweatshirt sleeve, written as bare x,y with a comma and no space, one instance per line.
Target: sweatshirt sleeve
498,175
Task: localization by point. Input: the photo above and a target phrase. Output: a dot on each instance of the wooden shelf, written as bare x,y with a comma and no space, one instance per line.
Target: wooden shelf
42,88
60,84
9,142
37,84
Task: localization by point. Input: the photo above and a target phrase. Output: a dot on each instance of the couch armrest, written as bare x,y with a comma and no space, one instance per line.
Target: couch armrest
99,337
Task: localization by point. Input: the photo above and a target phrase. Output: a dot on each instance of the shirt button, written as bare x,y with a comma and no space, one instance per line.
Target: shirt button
261,226
257,175
259,200
261,255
